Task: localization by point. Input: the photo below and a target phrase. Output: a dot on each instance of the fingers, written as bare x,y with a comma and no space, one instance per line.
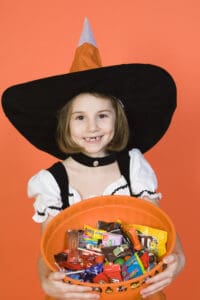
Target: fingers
163,279
56,276
71,288
170,258
58,289
155,287
78,292
78,296
59,276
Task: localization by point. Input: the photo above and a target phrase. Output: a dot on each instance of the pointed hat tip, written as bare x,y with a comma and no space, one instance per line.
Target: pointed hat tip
86,20
87,34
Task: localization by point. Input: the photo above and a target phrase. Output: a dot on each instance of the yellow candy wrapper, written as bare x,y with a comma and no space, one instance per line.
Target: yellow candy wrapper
152,239
94,233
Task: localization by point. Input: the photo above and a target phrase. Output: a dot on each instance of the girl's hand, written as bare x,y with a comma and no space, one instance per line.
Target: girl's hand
175,263
55,287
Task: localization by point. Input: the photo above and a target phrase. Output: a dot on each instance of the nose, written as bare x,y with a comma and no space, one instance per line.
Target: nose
92,125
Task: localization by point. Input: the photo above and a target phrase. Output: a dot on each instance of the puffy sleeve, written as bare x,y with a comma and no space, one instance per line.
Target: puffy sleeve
142,176
44,188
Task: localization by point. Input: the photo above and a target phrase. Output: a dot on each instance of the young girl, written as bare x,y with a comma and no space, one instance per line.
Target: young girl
93,128
98,122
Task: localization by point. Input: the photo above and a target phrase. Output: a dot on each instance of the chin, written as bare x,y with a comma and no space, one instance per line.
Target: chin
95,153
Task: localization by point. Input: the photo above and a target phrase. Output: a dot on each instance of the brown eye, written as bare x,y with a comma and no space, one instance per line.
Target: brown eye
102,116
79,117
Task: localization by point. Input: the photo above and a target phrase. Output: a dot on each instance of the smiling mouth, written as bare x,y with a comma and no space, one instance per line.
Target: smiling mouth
93,139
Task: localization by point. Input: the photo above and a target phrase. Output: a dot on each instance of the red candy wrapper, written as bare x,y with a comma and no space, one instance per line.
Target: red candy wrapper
113,272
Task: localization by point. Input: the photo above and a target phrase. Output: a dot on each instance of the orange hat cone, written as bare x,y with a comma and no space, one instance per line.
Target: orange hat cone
87,54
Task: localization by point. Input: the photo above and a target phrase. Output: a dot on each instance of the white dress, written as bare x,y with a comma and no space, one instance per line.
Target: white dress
44,188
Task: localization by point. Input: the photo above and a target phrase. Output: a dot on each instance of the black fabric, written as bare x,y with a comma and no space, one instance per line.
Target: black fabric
94,161
60,175
147,92
123,160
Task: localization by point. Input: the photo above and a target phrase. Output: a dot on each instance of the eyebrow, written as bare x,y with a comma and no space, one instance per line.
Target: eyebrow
100,111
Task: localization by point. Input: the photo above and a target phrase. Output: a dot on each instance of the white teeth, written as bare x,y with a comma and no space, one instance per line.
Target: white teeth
92,139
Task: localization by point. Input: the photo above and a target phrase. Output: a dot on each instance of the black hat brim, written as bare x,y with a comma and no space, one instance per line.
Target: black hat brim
148,93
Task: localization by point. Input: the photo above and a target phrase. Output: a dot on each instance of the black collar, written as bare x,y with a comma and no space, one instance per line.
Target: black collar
94,161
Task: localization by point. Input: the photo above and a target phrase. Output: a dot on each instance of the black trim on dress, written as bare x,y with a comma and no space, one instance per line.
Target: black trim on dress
60,174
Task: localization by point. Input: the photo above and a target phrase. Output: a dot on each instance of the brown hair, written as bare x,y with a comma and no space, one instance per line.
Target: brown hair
121,135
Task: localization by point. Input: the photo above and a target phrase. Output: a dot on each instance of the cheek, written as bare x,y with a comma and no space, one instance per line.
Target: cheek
75,129
108,124
71,129
110,129
112,126
73,132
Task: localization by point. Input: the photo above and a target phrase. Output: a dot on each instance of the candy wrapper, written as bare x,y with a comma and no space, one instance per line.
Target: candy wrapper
114,252
113,272
113,227
111,239
72,238
132,268
60,260
93,233
133,236
91,272
152,239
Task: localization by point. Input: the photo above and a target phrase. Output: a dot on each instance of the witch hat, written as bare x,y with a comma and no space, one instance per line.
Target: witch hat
148,93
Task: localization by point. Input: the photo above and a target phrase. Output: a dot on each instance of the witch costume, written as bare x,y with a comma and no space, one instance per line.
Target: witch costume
148,94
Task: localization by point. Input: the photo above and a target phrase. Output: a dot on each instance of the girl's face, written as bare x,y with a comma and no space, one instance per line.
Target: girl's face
92,123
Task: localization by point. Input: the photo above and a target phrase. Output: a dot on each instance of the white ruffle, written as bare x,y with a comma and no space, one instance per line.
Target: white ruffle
44,188
142,177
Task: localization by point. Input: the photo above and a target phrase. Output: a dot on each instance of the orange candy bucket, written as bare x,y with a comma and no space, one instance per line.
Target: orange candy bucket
107,208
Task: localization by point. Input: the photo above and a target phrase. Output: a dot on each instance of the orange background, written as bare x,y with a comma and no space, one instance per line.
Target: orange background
38,39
